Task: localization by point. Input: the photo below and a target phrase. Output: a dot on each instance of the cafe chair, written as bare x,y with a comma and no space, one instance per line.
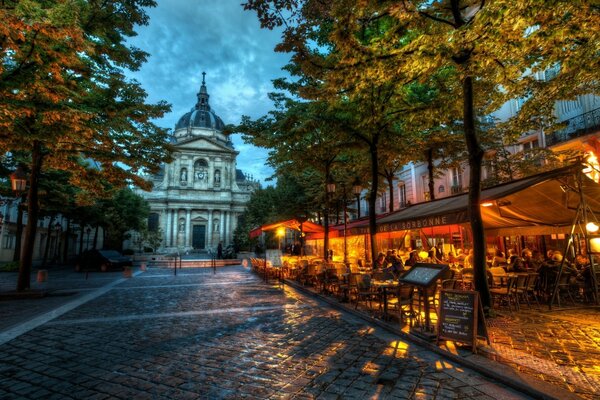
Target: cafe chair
364,291
532,288
404,298
505,293
520,289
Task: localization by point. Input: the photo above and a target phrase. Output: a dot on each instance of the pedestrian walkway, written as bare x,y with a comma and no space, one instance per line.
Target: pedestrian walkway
215,336
561,347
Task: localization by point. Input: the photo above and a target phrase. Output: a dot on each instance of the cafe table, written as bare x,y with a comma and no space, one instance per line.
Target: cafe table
384,286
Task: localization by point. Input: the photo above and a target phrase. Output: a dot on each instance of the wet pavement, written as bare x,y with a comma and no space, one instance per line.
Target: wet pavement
201,335
561,347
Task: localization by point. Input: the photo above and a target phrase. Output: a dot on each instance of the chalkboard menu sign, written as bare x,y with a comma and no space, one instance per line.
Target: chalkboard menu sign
461,317
423,274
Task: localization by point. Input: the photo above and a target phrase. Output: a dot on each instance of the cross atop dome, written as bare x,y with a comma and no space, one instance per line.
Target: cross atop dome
203,96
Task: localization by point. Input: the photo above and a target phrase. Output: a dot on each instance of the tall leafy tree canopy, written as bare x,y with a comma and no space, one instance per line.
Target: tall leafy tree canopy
64,97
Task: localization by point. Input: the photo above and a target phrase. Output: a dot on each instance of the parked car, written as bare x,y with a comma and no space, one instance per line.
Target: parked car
102,260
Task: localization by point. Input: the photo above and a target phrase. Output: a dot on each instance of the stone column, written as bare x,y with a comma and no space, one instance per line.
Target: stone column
167,230
209,229
174,228
222,228
188,227
226,235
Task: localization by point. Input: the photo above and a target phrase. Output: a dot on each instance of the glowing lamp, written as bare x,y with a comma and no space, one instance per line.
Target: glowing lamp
487,204
591,227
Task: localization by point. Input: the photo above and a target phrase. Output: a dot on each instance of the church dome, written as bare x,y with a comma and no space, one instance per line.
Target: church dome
200,116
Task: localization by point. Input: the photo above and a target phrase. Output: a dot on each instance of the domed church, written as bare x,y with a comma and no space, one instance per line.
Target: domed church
197,198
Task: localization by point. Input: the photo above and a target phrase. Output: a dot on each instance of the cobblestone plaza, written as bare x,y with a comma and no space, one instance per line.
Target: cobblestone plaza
211,336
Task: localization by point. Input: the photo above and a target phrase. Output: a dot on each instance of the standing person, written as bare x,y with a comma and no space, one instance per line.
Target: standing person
220,250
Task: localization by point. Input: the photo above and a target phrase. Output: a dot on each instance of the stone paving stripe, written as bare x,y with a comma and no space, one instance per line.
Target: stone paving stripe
178,314
33,323
212,284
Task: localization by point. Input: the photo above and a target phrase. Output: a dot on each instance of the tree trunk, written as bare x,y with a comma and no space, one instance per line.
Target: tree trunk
65,249
95,243
326,218
19,233
47,247
24,279
430,169
475,159
80,238
373,199
390,179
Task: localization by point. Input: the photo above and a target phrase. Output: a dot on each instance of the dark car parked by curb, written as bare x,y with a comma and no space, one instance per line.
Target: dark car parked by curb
102,260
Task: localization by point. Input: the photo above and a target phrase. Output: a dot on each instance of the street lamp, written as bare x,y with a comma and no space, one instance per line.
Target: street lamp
280,234
58,228
356,190
330,188
88,231
18,180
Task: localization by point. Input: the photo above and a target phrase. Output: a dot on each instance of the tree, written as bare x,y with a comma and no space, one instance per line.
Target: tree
64,98
489,51
125,211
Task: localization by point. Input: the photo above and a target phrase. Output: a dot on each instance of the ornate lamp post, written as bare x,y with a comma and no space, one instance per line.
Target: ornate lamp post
87,244
18,181
58,228
356,190
330,188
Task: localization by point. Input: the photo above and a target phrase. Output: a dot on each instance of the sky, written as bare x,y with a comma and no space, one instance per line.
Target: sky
188,37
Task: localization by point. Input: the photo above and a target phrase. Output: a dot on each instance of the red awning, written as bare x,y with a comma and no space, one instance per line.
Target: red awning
306,227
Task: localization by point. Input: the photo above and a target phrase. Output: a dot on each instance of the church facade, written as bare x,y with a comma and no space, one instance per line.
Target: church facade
198,198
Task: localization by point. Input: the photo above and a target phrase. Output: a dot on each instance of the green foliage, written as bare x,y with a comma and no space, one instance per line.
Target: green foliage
10,267
124,212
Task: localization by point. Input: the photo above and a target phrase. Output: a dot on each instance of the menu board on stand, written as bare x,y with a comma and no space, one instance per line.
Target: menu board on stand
424,276
461,318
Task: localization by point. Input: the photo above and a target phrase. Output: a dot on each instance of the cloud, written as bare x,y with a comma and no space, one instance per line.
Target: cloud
185,38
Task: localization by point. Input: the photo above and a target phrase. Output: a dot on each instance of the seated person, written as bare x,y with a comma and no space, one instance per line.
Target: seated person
413,258
499,259
394,262
379,262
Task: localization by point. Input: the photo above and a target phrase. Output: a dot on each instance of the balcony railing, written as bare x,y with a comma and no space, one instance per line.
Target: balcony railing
578,126
456,189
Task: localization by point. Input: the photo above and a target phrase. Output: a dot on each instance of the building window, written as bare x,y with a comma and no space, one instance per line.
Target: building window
402,195
441,189
533,144
382,202
457,177
153,222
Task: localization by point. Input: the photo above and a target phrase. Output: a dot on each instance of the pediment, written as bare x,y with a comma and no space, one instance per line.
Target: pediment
199,219
203,144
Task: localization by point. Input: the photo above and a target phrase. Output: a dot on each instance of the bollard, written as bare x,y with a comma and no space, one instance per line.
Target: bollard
42,275
127,272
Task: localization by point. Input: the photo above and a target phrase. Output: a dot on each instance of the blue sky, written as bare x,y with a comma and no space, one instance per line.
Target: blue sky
185,38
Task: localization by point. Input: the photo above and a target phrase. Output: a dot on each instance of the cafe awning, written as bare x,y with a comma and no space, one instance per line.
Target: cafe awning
294,224
540,204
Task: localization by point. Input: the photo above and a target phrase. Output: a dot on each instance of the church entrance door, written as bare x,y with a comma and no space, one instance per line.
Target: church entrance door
199,237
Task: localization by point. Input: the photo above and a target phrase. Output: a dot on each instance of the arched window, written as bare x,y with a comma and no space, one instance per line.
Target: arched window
201,170
217,178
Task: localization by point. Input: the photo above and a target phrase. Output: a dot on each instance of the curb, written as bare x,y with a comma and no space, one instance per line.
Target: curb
487,367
